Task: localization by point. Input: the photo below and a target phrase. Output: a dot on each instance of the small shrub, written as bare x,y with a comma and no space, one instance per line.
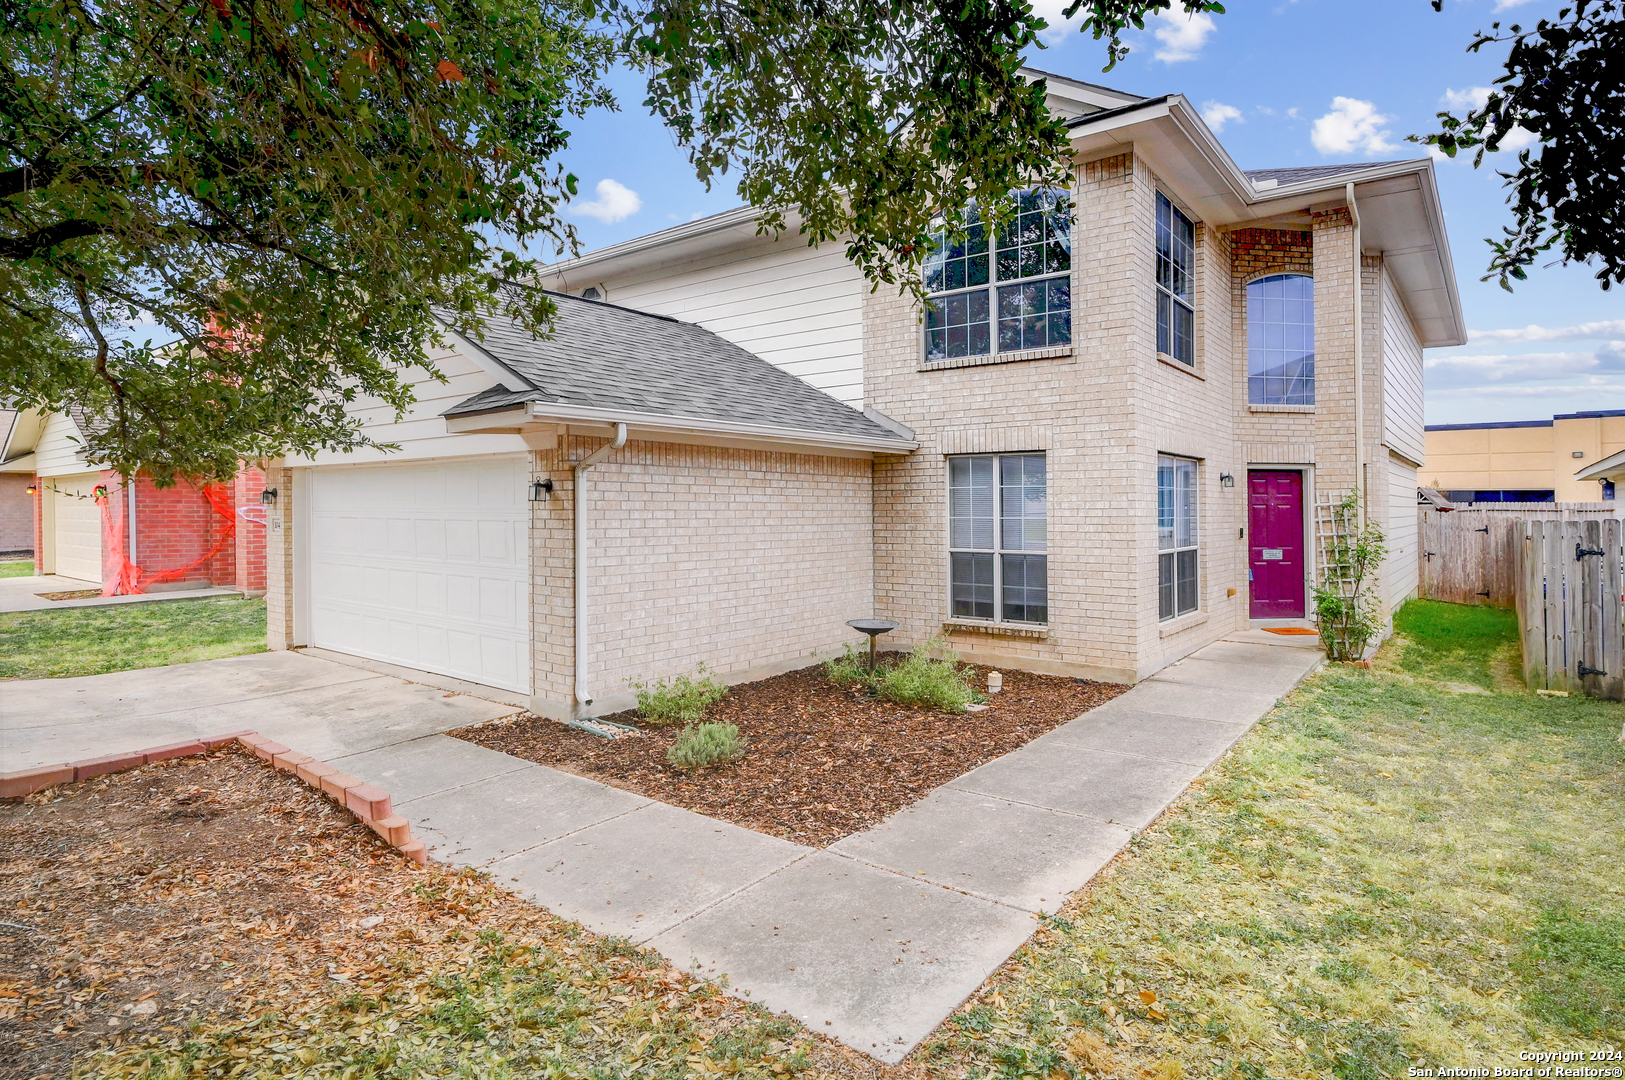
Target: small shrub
700,745
917,679
681,701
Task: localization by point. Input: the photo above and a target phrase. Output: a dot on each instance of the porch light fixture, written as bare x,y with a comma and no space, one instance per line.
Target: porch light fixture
268,497
1227,480
32,490
541,490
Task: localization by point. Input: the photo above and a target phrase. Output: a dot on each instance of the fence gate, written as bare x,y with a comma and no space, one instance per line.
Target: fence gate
1569,577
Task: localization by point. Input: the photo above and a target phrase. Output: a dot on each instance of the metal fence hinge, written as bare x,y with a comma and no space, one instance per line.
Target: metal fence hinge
1584,671
1582,552
1484,530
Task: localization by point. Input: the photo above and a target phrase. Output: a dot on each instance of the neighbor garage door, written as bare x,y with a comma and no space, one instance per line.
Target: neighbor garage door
76,526
425,565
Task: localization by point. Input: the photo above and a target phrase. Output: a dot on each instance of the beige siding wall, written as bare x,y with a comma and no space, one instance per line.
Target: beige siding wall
1401,378
796,307
422,433
58,452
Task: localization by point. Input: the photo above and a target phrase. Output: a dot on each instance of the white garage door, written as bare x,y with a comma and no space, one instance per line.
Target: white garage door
425,565
77,526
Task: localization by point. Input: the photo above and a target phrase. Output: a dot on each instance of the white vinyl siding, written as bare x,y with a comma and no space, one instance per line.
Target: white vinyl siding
1401,377
57,453
422,433
76,527
424,564
1402,533
799,308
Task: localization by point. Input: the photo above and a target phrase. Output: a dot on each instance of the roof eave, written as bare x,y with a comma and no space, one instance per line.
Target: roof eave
548,412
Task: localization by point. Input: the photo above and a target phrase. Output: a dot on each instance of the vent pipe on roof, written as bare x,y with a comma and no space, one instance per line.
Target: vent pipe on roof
583,693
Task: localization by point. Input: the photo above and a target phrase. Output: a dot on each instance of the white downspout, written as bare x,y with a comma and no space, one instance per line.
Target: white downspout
1359,358
583,694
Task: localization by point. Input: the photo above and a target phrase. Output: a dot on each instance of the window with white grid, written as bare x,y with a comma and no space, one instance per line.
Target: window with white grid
998,538
1008,295
1176,277
1176,537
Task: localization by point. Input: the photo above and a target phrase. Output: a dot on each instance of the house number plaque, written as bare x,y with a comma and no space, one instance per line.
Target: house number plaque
1273,554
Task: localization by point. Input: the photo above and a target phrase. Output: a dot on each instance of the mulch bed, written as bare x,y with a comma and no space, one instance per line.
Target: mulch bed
824,761
182,888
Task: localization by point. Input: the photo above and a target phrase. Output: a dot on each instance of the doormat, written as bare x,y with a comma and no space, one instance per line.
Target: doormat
1291,630
71,594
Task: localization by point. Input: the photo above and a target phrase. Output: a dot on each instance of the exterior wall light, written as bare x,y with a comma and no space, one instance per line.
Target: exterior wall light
33,489
541,490
268,497
1227,480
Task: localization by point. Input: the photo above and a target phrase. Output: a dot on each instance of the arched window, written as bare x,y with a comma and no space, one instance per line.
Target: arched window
1281,340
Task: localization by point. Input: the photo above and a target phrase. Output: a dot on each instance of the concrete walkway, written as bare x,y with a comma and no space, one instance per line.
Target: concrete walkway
23,594
873,940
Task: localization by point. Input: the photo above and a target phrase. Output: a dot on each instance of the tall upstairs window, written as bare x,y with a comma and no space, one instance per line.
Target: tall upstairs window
1009,295
1176,277
1281,340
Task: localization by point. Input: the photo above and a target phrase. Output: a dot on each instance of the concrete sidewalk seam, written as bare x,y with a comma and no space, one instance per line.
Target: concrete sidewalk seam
713,905
953,785
939,885
552,839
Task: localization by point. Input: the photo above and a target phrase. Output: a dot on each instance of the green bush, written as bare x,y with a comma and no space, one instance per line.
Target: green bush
917,679
681,701
699,745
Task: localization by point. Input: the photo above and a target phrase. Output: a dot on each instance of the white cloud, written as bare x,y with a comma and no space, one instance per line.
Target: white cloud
1473,97
615,202
1611,330
1181,36
1217,114
1598,369
1352,125
1052,12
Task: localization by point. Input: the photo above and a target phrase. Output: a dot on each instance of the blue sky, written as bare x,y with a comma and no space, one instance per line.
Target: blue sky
1284,82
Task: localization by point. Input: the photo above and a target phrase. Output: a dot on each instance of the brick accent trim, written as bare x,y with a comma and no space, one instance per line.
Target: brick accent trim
372,805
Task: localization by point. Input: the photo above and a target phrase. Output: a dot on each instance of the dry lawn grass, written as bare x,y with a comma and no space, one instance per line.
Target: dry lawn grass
1383,873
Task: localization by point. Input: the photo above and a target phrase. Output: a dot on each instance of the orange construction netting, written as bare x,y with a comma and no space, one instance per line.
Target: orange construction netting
128,578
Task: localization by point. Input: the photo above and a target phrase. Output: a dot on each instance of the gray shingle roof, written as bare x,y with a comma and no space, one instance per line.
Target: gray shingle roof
605,356
1311,172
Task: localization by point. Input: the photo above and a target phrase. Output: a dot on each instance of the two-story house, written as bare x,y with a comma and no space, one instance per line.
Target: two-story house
1098,448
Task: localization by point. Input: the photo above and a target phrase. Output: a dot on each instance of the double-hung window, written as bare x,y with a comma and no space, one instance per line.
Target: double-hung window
998,534
1281,340
1009,295
1176,276
1176,537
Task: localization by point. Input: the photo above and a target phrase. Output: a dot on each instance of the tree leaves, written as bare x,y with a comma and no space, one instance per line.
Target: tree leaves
1564,83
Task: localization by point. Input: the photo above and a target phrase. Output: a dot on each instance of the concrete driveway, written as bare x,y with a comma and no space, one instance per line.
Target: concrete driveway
324,708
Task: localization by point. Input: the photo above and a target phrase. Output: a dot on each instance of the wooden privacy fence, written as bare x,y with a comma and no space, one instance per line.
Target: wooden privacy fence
1568,581
1470,556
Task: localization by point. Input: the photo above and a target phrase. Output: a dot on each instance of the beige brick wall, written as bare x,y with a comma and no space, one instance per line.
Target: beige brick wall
279,583
742,560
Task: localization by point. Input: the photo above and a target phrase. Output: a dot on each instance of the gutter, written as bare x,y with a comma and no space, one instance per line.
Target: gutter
1360,467
583,694
657,423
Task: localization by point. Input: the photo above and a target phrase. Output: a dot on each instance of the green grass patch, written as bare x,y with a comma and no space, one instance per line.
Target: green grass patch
120,637
1455,642
1385,872
17,568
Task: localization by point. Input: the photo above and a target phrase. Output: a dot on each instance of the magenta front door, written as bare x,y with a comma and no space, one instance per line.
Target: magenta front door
1275,544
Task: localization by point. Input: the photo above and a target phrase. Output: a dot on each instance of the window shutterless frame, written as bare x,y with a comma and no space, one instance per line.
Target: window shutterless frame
1008,292
998,538
1177,561
1176,283
1281,340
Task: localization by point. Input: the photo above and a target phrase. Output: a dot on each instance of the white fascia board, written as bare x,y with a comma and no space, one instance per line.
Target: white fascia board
647,424
24,435
675,242
22,463
488,362
1608,468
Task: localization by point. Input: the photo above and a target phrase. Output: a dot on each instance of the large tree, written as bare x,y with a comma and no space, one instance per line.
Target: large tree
295,191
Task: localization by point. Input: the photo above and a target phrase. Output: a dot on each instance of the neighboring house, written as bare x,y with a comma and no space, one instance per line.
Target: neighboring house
16,502
1569,458
81,518
1101,451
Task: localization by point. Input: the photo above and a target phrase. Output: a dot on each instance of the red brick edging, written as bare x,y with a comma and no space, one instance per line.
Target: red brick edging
372,805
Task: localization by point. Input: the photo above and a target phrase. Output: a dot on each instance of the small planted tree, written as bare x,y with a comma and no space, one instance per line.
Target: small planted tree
1348,611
